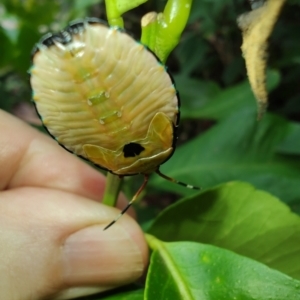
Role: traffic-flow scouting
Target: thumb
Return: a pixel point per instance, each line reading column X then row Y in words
column 53, row 245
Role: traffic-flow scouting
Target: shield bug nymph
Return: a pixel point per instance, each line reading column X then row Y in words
column 105, row 97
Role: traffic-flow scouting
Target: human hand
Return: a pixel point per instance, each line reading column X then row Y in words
column 51, row 222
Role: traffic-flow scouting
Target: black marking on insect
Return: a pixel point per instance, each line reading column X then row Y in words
column 132, row 149
column 106, row 98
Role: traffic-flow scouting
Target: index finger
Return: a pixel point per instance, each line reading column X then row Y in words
column 29, row 158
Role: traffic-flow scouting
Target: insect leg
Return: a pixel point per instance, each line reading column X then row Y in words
column 176, row 181
column 146, row 177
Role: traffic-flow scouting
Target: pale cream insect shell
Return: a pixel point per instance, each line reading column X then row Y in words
column 105, row 97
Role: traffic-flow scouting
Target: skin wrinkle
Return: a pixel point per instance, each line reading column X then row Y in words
column 4, row 180
column 33, row 158
column 10, row 158
column 91, row 183
column 45, row 161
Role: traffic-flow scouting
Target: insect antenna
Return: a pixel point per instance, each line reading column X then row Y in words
column 146, row 177
column 176, row 181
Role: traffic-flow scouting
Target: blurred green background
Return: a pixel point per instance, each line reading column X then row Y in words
column 218, row 109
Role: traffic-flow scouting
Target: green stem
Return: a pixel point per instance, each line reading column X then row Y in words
column 114, row 11
column 149, row 27
column 116, row 8
column 113, row 182
column 112, row 189
column 152, row 241
column 162, row 32
column 113, row 14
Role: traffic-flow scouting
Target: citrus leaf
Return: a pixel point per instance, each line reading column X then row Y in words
column 187, row 270
column 237, row 148
column 195, row 95
column 206, row 100
column 234, row 98
column 33, row 12
column 189, row 54
column 291, row 143
column 240, row 218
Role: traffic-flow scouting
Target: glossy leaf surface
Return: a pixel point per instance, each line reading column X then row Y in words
column 238, row 217
column 187, row 270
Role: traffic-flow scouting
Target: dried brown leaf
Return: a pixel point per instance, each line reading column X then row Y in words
column 257, row 27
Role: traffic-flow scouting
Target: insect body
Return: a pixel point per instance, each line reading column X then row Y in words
column 106, row 97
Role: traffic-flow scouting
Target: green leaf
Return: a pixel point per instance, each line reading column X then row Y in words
column 191, row 55
column 226, row 101
column 34, row 12
column 187, row 270
column 208, row 12
column 84, row 4
column 237, row 148
column 27, row 38
column 194, row 94
column 291, row 143
column 80, row 8
column 240, row 218
column 7, row 49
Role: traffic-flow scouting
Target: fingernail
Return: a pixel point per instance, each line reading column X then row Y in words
column 105, row 258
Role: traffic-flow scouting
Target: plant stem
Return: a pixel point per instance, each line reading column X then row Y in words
column 112, row 189
column 161, row 32
column 113, row 182
column 113, row 15
column 152, row 241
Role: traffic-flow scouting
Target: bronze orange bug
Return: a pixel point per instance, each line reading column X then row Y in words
column 105, row 97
